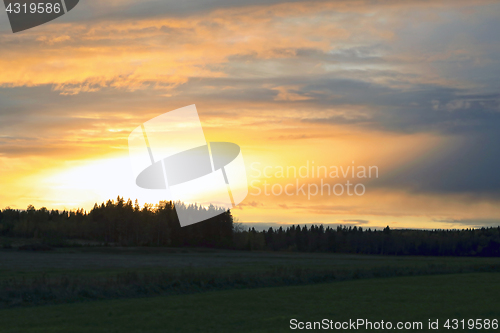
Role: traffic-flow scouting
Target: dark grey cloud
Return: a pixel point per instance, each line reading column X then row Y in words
column 368, row 54
column 472, row 165
column 423, row 108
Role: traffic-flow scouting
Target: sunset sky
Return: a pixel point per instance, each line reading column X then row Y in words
column 411, row 87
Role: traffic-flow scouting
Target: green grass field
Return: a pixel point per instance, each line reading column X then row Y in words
column 108, row 289
column 77, row 274
column 88, row 274
column 102, row 260
column 460, row 296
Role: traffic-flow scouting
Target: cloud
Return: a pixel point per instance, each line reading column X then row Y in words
column 468, row 165
column 253, row 204
column 356, row 222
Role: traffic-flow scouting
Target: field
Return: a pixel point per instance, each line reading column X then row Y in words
column 111, row 289
column 113, row 259
column 415, row 299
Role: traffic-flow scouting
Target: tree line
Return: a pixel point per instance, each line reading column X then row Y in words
column 356, row 240
column 125, row 223
column 120, row 222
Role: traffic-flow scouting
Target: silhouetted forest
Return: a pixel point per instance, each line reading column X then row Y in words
column 119, row 222
column 343, row 239
column 124, row 223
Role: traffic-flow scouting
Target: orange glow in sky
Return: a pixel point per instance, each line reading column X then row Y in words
column 290, row 83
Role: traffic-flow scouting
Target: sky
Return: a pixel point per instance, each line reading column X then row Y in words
column 410, row 89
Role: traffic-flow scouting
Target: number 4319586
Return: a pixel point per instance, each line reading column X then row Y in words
column 471, row 324
column 34, row 8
